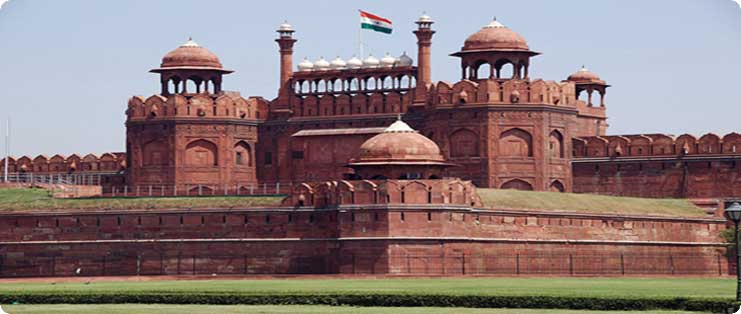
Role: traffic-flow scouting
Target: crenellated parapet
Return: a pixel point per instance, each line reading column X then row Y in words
column 59, row 164
column 496, row 91
column 369, row 192
column 228, row 105
column 643, row 145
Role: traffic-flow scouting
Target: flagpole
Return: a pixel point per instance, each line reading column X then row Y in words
column 360, row 41
column 7, row 149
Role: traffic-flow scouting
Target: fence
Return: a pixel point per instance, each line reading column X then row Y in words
column 400, row 264
column 154, row 190
column 60, row 178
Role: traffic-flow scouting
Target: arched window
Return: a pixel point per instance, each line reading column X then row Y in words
column 464, row 143
column 555, row 144
column 515, row 143
column 557, row 186
column 201, row 153
column 405, row 82
column 517, row 184
column 370, row 83
column 242, row 154
column 483, row 71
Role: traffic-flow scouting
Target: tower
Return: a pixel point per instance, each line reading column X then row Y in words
column 285, row 42
column 193, row 137
column 424, row 34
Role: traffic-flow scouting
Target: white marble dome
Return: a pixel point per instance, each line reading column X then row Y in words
column 285, row 27
column 305, row 65
column 354, row 63
column 388, row 61
column 338, row 64
column 321, row 64
column 371, row 62
column 405, row 60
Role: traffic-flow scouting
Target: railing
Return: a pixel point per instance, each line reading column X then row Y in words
column 161, row 190
column 400, row 264
column 58, row 178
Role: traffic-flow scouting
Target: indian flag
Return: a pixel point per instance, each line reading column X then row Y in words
column 374, row 22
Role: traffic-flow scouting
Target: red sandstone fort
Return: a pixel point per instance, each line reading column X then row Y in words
column 381, row 165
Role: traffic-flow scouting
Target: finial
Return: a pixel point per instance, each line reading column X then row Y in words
column 398, row 117
column 495, row 18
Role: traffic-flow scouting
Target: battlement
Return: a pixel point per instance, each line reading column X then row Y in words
column 90, row 163
column 643, row 145
column 226, row 105
column 367, row 192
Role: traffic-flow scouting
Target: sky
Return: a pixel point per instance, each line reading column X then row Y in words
column 67, row 68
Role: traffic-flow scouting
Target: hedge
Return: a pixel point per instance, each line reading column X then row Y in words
column 392, row 300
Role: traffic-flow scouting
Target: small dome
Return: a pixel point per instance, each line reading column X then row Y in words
column 285, row 27
column 585, row 76
column 400, row 144
column 338, row 63
column 424, row 19
column 388, row 61
column 305, row 65
column 190, row 54
column 371, row 62
column 321, row 64
column 354, row 63
column 495, row 36
column 405, row 61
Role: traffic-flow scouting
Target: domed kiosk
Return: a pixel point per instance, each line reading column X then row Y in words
column 495, row 45
column 190, row 62
column 399, row 152
column 589, row 82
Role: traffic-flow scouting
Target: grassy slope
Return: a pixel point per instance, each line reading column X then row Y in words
column 25, row 199
column 581, row 287
column 588, row 203
column 270, row 309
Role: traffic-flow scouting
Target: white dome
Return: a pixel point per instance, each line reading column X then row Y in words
column 388, row 61
column 425, row 18
column 371, row 62
column 354, row 63
column 495, row 24
column 305, row 65
column 190, row 43
column 338, row 63
column 285, row 27
column 321, row 64
column 405, row 61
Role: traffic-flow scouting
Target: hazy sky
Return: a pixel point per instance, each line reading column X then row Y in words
column 68, row 67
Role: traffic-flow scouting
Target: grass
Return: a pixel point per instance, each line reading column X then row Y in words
column 273, row 309
column 29, row 199
column 715, row 288
column 589, row 203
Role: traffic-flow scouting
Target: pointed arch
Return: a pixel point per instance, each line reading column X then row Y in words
column 464, row 143
column 516, row 142
column 517, row 184
column 242, row 154
column 202, row 153
column 557, row 186
column 555, row 144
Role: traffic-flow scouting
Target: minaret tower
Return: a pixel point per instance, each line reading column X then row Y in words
column 424, row 34
column 285, row 42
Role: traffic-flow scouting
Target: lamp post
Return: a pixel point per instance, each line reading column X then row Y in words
column 733, row 213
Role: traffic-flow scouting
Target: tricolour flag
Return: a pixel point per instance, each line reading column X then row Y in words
column 374, row 22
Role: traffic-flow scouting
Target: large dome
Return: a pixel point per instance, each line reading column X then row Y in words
column 191, row 55
column 399, row 144
column 495, row 36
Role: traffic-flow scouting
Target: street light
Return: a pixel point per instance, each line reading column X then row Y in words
column 733, row 213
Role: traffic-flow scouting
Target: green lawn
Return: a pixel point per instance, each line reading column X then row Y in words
column 588, row 203
column 270, row 309
column 27, row 199
column 579, row 287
